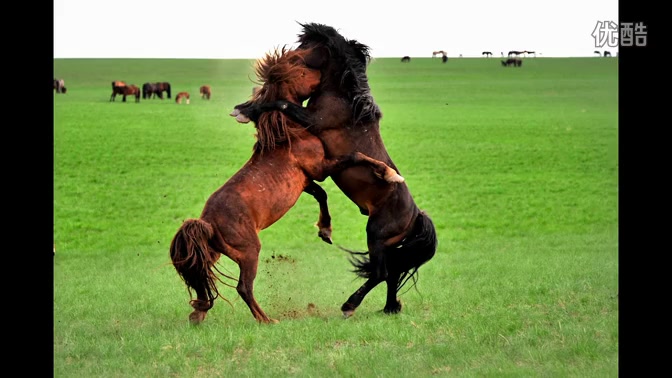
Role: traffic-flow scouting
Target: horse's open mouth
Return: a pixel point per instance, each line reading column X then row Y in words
column 241, row 118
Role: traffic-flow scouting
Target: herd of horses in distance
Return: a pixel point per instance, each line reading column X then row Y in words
column 149, row 90
column 336, row 135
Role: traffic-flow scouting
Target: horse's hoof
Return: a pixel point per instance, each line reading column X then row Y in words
column 197, row 317
column 393, row 309
column 325, row 235
column 235, row 113
column 242, row 118
column 348, row 310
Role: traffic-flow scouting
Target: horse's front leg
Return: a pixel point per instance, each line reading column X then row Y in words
column 379, row 168
column 324, row 222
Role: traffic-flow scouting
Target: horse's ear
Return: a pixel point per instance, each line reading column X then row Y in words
column 317, row 58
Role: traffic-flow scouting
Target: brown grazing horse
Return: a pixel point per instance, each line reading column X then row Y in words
column 205, row 92
column 182, row 96
column 285, row 161
column 121, row 88
column 343, row 114
column 59, row 86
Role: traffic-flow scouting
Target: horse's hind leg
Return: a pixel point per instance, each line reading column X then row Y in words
column 248, row 261
column 324, row 221
column 348, row 308
column 392, row 305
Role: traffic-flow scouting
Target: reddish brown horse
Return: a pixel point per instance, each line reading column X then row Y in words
column 182, row 96
column 285, row 161
column 343, row 114
column 121, row 88
column 205, row 92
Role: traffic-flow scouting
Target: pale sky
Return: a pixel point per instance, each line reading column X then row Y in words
column 224, row 29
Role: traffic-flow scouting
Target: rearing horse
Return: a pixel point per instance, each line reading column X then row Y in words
column 343, row 114
column 286, row 160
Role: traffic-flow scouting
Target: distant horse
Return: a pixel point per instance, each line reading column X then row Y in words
column 530, row 53
column 487, row 54
column 182, row 96
column 440, row 52
column 516, row 62
column 607, row 54
column 597, row 52
column 154, row 90
column 120, row 88
column 149, row 89
column 515, row 52
column 59, row 86
column 285, row 162
column 343, row 114
column 406, row 59
column 205, row 92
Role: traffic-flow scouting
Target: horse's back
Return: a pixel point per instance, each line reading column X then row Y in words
column 263, row 190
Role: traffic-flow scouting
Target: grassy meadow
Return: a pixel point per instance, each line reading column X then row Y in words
column 518, row 167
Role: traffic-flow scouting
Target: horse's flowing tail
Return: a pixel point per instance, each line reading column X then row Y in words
column 418, row 247
column 168, row 89
column 194, row 260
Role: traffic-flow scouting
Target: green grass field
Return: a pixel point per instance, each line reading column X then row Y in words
column 518, row 167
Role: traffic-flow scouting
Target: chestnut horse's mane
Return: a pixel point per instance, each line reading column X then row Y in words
column 348, row 60
column 275, row 73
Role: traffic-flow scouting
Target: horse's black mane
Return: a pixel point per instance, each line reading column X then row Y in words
column 348, row 59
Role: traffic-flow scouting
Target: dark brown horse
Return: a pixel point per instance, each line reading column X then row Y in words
column 121, row 88
column 285, row 161
column 154, row 90
column 205, row 92
column 516, row 62
column 343, row 114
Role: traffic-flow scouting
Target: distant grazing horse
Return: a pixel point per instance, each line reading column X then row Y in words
column 487, row 54
column 121, row 88
column 607, row 54
column 182, row 96
column 285, row 162
column 343, row 114
column 516, row 62
column 59, row 86
column 149, row 89
column 440, row 52
column 153, row 90
column 597, row 52
column 205, row 92
column 406, row 59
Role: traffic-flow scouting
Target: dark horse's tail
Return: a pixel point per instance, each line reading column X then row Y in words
column 194, row 260
column 406, row 257
column 167, row 87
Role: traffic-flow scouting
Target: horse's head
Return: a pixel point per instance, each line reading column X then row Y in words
column 289, row 75
column 344, row 67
